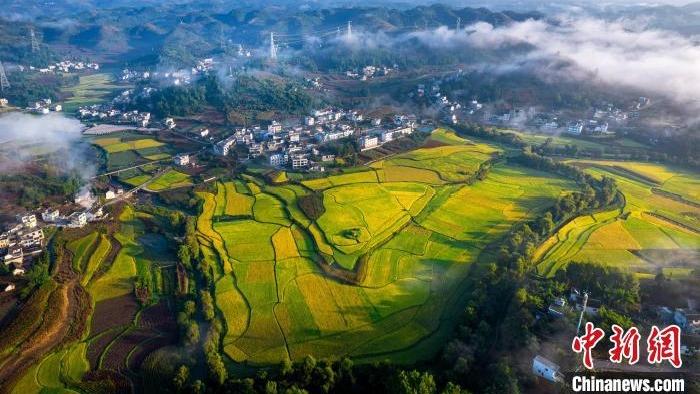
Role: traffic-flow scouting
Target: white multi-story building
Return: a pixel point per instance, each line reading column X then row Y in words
column 299, row 161
column 278, row 159
column 369, row 142
column 274, row 127
column 29, row 221
column 78, row 219
column 50, row 215
column 223, row 147
column 575, row 128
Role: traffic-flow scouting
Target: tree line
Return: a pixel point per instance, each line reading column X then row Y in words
column 241, row 99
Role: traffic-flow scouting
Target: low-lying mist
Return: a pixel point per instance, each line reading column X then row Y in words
column 24, row 138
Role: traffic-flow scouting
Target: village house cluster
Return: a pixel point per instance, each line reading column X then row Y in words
column 174, row 77
column 447, row 109
column 24, row 240
column 107, row 112
column 369, row 72
column 44, row 106
column 596, row 121
column 299, row 145
column 20, row 242
column 65, row 66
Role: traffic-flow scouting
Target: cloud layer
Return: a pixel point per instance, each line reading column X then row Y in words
column 612, row 52
column 621, row 53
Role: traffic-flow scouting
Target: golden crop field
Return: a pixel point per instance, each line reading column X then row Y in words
column 660, row 214
column 414, row 236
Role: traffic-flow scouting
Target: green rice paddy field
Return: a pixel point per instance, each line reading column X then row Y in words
column 91, row 89
column 658, row 228
column 127, row 149
column 411, row 227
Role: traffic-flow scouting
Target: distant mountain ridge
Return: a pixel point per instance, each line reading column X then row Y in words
column 146, row 31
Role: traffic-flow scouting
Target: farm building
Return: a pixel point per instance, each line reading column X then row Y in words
column 369, row 142
column 50, row 215
column 223, row 147
column 544, row 368
column 29, row 221
column 78, row 219
column 182, row 160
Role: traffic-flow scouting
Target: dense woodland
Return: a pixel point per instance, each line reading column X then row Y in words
column 241, row 100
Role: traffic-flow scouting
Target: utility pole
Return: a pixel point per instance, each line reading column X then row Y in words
column 4, row 83
column 583, row 310
column 35, row 42
column 273, row 48
column 459, row 23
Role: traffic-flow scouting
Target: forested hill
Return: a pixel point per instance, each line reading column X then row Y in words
column 144, row 34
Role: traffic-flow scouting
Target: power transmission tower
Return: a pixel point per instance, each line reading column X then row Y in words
column 222, row 40
column 459, row 23
column 35, row 42
column 273, row 48
column 583, row 310
column 349, row 31
column 4, row 83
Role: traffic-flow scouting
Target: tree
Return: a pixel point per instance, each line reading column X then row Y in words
column 546, row 224
column 189, row 307
column 415, row 382
column 271, row 387
column 192, row 333
column 198, row 387
column 181, row 377
column 502, row 379
column 185, row 256
column 451, row 388
column 207, row 305
column 217, row 369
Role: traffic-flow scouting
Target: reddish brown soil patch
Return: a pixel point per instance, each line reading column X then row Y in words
column 158, row 317
column 431, row 143
column 115, row 358
column 98, row 345
column 114, row 312
column 143, row 350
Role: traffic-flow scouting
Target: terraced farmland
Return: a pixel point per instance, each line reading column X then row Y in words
column 658, row 227
column 121, row 333
column 378, row 274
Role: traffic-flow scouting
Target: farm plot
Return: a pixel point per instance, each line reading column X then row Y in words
column 80, row 248
column 170, row 180
column 128, row 149
column 412, row 243
column 651, row 221
column 452, row 163
column 91, row 89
